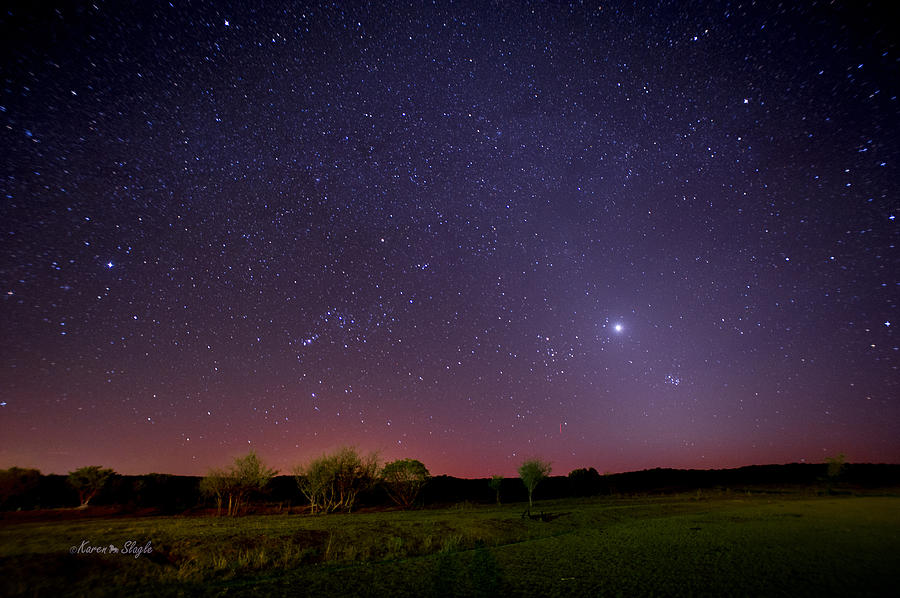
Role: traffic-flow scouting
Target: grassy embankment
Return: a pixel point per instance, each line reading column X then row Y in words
column 727, row 545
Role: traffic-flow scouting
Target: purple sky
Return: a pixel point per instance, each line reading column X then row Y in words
column 622, row 237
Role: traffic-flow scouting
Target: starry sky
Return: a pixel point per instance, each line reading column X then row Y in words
column 604, row 234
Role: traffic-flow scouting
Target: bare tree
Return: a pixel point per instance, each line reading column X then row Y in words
column 88, row 481
column 532, row 472
column 333, row 482
column 404, row 479
column 314, row 481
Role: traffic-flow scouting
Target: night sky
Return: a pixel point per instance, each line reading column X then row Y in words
column 609, row 235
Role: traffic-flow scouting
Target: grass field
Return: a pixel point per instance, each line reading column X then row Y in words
column 727, row 545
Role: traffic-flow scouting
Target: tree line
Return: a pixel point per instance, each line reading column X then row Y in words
column 330, row 483
column 333, row 482
column 341, row 480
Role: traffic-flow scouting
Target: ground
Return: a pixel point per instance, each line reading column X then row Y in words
column 727, row 544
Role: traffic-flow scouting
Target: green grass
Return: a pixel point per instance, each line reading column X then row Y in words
column 671, row 546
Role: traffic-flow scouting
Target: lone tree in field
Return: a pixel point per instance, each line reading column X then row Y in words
column 248, row 474
column 332, row 482
column 403, row 480
column 88, row 481
column 835, row 469
column 495, row 483
column 835, row 466
column 532, row 472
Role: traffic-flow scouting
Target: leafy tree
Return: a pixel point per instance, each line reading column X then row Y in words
column 404, row 479
column 17, row 487
column 215, row 485
column 495, row 483
column 532, row 472
column 248, row 474
column 333, row 482
column 835, row 466
column 88, row 481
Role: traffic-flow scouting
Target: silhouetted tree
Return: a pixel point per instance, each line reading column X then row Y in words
column 495, row 482
column 17, row 487
column 835, row 466
column 215, row 485
column 248, row 474
column 314, row 481
column 88, row 481
column 333, row 482
column 403, row 480
column 835, row 469
column 532, row 472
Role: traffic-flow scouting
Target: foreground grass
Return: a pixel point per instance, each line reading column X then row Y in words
column 670, row 546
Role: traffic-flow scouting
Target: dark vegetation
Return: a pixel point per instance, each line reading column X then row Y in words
column 403, row 480
column 27, row 489
column 715, row 544
column 232, row 488
column 799, row 529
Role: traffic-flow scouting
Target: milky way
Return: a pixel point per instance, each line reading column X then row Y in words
column 620, row 236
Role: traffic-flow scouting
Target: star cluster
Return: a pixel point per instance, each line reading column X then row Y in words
column 617, row 235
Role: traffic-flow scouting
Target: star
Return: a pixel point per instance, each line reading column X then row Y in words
column 483, row 230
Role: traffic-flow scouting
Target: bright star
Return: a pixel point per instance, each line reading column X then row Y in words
column 109, row 264
column 618, row 327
